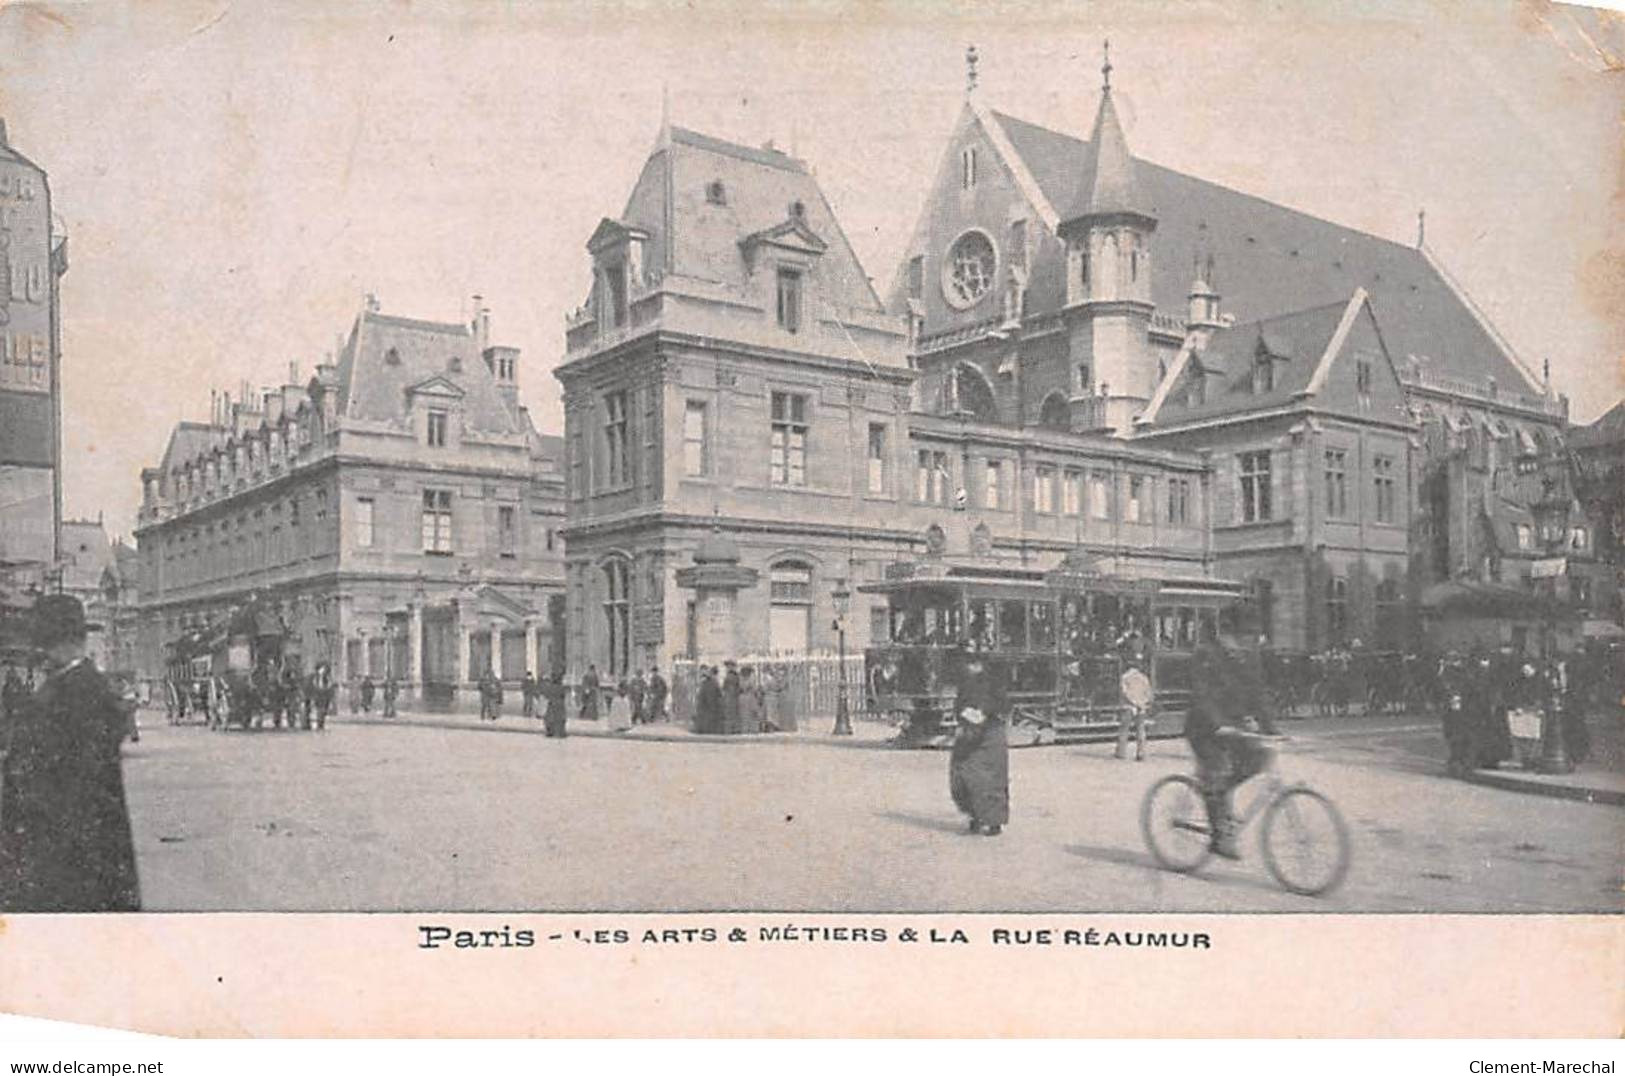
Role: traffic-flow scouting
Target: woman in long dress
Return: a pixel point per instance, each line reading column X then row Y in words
column 620, row 709
column 979, row 764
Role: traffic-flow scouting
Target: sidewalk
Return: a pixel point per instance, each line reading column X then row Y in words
column 1601, row 779
column 812, row 730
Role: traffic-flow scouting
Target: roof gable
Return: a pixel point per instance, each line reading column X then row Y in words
column 438, row 385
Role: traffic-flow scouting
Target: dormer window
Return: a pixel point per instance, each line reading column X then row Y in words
column 798, row 211
column 789, row 299
column 392, row 357
column 1263, row 375
column 1196, row 389
column 615, row 293
column 716, row 193
column 455, row 364
column 438, row 427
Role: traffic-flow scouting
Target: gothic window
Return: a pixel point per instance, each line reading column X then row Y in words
column 974, row 395
column 967, row 168
column 1382, row 468
column 1337, row 484
column 969, row 271
column 1255, row 487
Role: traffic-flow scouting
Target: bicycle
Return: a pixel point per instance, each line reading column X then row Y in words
column 1303, row 837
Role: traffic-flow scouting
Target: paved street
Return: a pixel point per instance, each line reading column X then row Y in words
column 376, row 817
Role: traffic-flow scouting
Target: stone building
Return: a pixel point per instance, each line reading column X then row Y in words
column 399, row 510
column 1309, row 364
column 33, row 258
column 734, row 369
column 1078, row 348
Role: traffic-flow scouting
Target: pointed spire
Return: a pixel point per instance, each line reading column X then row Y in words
column 1421, row 227
column 664, row 141
column 972, row 58
column 1106, row 66
column 1110, row 185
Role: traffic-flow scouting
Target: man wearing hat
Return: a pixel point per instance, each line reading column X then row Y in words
column 65, row 843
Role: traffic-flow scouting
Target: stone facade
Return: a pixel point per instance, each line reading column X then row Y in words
column 398, row 509
column 1078, row 348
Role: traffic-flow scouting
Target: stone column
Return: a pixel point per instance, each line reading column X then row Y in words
column 414, row 648
column 533, row 662
column 462, row 648
column 496, row 649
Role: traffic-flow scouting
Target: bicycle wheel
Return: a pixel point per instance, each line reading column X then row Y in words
column 1173, row 818
column 1305, row 841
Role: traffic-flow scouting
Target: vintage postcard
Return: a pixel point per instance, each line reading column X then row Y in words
column 719, row 519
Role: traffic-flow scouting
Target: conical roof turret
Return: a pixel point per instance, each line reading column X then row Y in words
column 1110, row 185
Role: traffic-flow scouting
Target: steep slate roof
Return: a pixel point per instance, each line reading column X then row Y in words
column 1272, row 259
column 1297, row 341
column 690, row 236
column 1609, row 429
column 374, row 388
column 187, row 441
column 86, row 553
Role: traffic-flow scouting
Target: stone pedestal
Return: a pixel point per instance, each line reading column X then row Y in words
column 716, row 579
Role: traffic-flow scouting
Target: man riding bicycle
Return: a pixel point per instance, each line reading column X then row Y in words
column 1222, row 729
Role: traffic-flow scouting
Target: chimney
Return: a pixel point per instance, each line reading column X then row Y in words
column 482, row 325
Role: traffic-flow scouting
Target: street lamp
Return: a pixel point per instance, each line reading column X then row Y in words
column 843, row 601
column 1553, row 519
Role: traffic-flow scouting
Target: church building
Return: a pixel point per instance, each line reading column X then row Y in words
column 1079, row 349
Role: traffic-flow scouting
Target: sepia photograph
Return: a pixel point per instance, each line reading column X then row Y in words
column 856, row 459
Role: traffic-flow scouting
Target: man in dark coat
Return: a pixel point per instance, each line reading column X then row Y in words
column 528, row 693
column 553, row 717
column 589, row 694
column 1226, row 704
column 708, row 702
column 979, row 764
column 730, row 698
column 368, row 690
column 65, row 842
column 636, row 690
column 392, row 692
column 656, row 710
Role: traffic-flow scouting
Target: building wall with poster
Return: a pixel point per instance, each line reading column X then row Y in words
column 33, row 257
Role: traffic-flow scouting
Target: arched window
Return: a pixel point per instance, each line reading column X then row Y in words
column 975, row 395
column 618, row 615
column 1055, row 414
column 790, row 618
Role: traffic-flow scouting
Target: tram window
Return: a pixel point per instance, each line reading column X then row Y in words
column 1209, row 624
column 941, row 625
column 1168, row 629
column 1043, row 626
column 908, row 626
column 1187, row 628
column 1013, row 625
column 982, row 621
column 1108, row 614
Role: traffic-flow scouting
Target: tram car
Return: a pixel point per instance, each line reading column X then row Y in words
column 1059, row 638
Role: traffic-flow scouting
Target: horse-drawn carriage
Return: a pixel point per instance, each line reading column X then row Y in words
column 242, row 674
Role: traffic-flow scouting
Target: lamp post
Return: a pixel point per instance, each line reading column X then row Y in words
column 843, row 601
column 1553, row 519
